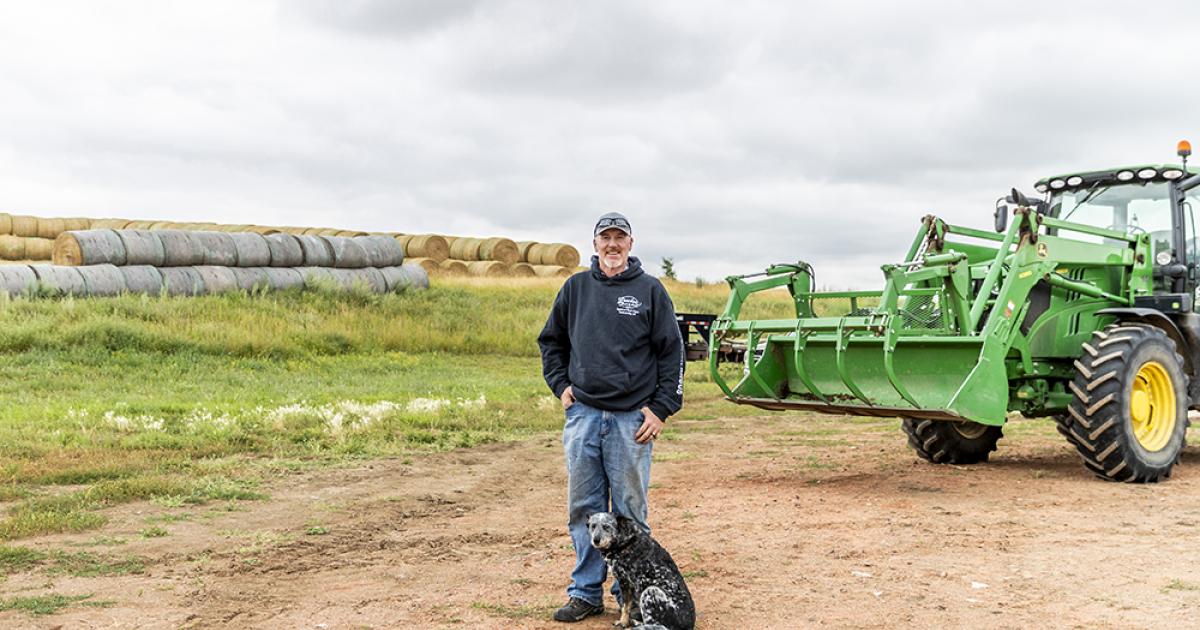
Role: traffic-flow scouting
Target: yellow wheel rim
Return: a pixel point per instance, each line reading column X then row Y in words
column 1152, row 406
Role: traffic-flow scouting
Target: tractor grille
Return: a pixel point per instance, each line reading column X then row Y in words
column 920, row 312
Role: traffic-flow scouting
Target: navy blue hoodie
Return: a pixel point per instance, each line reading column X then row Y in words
column 615, row 341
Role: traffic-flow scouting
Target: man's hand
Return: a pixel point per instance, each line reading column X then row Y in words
column 650, row 428
column 568, row 397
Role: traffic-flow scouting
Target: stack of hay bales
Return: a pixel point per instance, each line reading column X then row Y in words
column 25, row 237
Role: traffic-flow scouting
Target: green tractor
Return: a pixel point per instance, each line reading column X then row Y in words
column 1081, row 308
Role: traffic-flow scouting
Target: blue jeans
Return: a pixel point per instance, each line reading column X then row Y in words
column 603, row 463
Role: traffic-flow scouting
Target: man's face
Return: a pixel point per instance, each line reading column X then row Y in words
column 613, row 245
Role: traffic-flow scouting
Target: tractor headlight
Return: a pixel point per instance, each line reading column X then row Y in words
column 1074, row 181
column 1163, row 258
column 1172, row 174
column 1042, row 188
column 1125, row 176
column 1057, row 184
column 1147, row 173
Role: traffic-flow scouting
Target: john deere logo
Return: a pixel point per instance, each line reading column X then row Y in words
column 628, row 305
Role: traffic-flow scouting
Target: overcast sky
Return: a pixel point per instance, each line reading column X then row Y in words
column 732, row 134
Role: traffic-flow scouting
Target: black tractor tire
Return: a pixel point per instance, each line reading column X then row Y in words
column 1128, row 412
column 947, row 442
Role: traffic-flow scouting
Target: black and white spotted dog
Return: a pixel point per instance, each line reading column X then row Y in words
column 650, row 582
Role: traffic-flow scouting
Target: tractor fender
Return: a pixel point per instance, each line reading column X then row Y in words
column 1187, row 344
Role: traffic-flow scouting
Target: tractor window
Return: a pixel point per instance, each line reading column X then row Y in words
column 1129, row 208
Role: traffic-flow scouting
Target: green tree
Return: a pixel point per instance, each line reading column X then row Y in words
column 668, row 268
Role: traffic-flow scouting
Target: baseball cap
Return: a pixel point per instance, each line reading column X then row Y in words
column 612, row 220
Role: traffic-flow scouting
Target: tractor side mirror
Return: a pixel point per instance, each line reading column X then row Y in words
column 1001, row 215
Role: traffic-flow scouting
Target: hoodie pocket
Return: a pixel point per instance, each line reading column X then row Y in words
column 602, row 383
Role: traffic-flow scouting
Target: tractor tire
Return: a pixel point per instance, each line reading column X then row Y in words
column 1128, row 411
column 945, row 442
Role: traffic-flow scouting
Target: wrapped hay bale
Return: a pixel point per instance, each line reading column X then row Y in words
column 102, row 280
column 23, row 225
column 252, row 249
column 143, row 279
column 60, row 280
column 417, row 278
column 285, row 250
column 17, row 279
column 218, row 247
column 501, row 249
column 39, row 248
column 142, row 247
column 381, row 250
column 179, row 250
column 523, row 270
column 217, row 279
column 552, row 271
column 12, row 247
column 317, row 277
column 487, row 269
column 284, row 278
column 251, row 278
column 374, row 279
column 316, row 251
column 88, row 247
column 451, row 267
column 182, row 281
column 347, row 253
column 424, row 246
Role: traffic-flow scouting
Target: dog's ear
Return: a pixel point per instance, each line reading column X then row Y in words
column 627, row 529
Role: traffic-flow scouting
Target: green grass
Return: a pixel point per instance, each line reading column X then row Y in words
column 42, row 604
column 180, row 401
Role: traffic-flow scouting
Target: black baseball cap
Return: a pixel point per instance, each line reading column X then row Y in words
column 612, row 220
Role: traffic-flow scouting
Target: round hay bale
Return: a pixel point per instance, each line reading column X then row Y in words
column 77, row 223
column 179, row 250
column 142, row 279
column 39, row 248
column 328, row 232
column 87, row 247
column 559, row 254
column 218, row 247
column 382, row 251
column 102, row 280
column 16, row 279
column 262, row 229
column 285, row 250
column 161, row 225
column 351, row 233
column 451, row 267
column 312, row 231
column 317, row 277
column 317, row 252
column 143, row 247
column 374, row 279
column 523, row 270
column 552, row 271
column 5, row 223
column 533, row 253
column 109, row 224
column 395, row 279
column 139, row 225
column 12, row 247
column 179, row 281
column 60, row 280
column 487, row 269
column 499, row 248
column 523, row 249
column 240, row 227
column 347, row 253
column 465, row 249
column 428, row 264
column 284, row 278
column 293, row 230
column 217, row 279
column 23, row 225
column 50, row 228
column 252, row 249
column 252, row 278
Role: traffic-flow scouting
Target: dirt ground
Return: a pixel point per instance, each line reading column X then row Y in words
column 782, row 521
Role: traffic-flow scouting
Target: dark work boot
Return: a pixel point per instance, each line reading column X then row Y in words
column 576, row 610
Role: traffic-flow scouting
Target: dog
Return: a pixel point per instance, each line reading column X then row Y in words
column 653, row 593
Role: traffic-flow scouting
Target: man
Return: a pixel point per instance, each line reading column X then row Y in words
column 611, row 351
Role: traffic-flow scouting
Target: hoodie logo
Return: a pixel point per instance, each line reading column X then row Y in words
column 628, row 305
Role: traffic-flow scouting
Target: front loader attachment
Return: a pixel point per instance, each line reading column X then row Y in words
column 934, row 343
